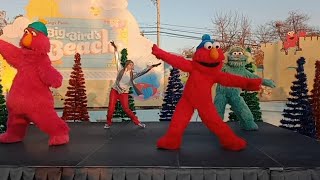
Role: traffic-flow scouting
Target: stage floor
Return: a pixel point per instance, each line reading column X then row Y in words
column 125, row 145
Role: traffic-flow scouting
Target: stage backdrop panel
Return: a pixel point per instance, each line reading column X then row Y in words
column 87, row 27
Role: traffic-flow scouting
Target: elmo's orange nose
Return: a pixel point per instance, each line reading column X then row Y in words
column 27, row 39
column 214, row 54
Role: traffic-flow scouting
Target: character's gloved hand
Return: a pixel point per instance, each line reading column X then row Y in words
column 269, row 83
column 56, row 83
column 159, row 53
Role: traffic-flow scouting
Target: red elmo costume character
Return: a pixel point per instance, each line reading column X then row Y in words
column 30, row 99
column 292, row 39
column 204, row 70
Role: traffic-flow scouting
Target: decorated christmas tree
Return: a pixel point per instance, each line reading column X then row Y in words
column 251, row 99
column 315, row 99
column 119, row 112
column 3, row 111
column 298, row 112
column 172, row 95
column 75, row 105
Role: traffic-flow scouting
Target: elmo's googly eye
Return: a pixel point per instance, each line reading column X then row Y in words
column 216, row 45
column 208, row 45
column 33, row 33
column 290, row 33
column 26, row 31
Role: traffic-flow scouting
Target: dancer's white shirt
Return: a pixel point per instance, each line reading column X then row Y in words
column 125, row 82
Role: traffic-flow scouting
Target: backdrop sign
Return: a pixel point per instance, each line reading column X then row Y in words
column 90, row 38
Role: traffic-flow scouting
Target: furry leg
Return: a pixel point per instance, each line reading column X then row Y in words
column 212, row 120
column 16, row 129
column 220, row 101
column 242, row 110
column 180, row 120
column 49, row 122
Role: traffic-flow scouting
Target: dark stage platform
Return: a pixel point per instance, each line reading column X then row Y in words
column 270, row 151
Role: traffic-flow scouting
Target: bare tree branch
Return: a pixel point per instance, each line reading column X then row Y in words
column 188, row 52
column 232, row 28
column 295, row 22
column 265, row 34
column 154, row 2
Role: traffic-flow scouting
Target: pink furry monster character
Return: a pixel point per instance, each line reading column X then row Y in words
column 30, row 99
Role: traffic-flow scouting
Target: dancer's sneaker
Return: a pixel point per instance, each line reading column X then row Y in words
column 106, row 126
column 141, row 125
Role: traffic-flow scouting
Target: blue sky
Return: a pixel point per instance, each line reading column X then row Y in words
column 198, row 14
column 195, row 14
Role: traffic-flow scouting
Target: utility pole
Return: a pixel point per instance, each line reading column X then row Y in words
column 158, row 22
column 157, row 3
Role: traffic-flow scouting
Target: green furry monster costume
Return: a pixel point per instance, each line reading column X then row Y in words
column 237, row 59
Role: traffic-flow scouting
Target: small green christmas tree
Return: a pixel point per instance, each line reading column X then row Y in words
column 119, row 112
column 3, row 112
column 251, row 99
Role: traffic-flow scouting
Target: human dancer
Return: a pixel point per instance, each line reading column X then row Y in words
column 120, row 89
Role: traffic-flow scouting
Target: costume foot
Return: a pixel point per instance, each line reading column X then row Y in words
column 249, row 126
column 58, row 140
column 107, row 126
column 234, row 144
column 170, row 143
column 9, row 138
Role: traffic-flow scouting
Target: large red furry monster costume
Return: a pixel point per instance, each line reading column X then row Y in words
column 205, row 70
column 30, row 99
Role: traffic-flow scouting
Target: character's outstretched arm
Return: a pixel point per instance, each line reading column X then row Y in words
column 146, row 70
column 231, row 80
column 302, row 34
column 265, row 82
column 49, row 75
column 174, row 60
column 12, row 54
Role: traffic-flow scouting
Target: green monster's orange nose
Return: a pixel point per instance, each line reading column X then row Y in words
column 26, row 41
column 214, row 54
